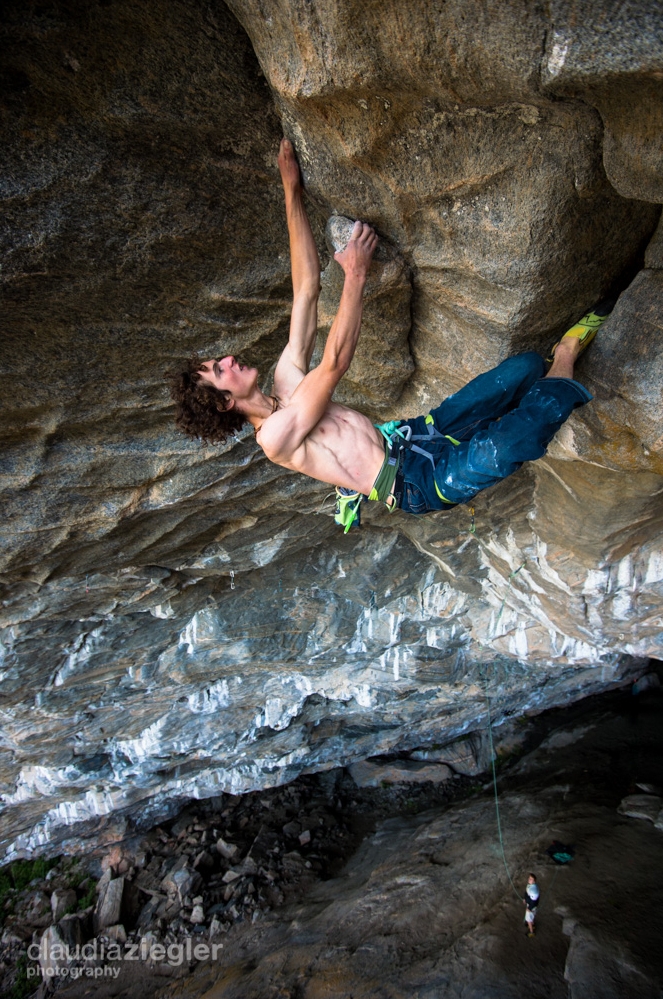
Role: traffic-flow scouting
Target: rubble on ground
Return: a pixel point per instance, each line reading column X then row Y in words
column 223, row 861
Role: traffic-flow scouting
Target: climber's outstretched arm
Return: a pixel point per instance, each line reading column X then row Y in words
column 305, row 268
column 287, row 430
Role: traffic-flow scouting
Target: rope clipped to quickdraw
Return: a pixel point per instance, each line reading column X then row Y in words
column 503, row 604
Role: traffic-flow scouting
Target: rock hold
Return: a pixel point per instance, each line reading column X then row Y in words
column 382, row 361
column 337, row 236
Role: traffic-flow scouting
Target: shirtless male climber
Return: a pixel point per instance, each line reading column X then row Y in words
column 475, row 438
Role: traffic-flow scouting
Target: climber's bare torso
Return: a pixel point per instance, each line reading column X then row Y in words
column 343, row 449
column 307, row 432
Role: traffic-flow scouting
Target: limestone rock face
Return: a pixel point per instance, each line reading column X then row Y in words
column 139, row 154
column 610, row 55
column 435, row 126
column 180, row 619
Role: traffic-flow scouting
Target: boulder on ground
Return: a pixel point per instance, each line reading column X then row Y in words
column 52, row 952
column 227, row 850
column 368, row 774
column 109, row 904
column 62, row 900
column 71, row 930
column 641, row 806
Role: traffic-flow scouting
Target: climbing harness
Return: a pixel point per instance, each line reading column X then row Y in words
column 394, row 435
column 389, row 485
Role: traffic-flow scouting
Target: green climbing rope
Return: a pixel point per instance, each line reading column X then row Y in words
column 497, row 804
column 497, row 809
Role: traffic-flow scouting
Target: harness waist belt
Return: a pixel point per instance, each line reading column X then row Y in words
column 384, row 483
column 389, row 482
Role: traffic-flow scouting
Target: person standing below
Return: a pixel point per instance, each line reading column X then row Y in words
column 530, row 902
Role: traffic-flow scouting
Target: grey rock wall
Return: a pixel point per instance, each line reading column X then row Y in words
column 610, row 55
column 179, row 620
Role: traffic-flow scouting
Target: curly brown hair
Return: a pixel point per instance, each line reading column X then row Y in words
column 202, row 409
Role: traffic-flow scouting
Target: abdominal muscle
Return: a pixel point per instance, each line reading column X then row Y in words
column 343, row 449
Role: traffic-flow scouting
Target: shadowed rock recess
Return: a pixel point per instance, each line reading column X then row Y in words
column 180, row 621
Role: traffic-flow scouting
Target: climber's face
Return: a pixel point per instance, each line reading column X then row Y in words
column 228, row 375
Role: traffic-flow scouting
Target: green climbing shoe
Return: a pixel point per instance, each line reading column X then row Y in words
column 586, row 328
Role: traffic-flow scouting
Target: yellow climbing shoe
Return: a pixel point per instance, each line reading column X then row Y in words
column 586, row 328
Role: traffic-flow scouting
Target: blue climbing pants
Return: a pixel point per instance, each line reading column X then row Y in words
column 500, row 419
